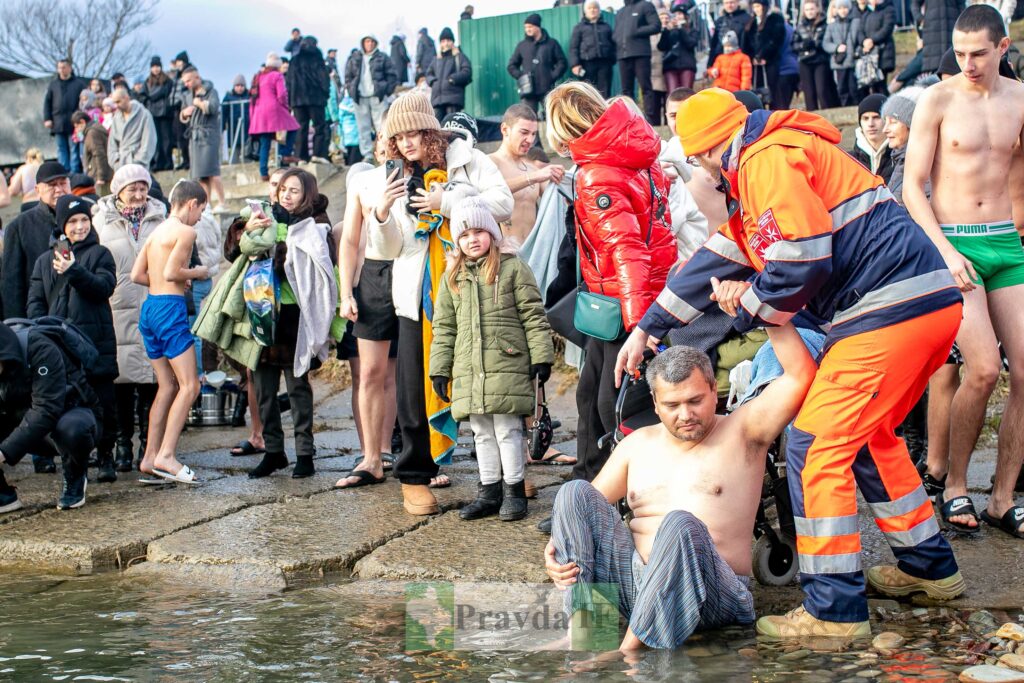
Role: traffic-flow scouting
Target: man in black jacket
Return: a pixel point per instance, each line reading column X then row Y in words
column 539, row 56
column 59, row 103
column 45, row 406
column 400, row 57
column 30, row 234
column 448, row 75
column 370, row 79
column 592, row 50
column 425, row 51
column 635, row 23
column 733, row 18
column 308, row 89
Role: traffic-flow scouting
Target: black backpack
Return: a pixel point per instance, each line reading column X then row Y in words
column 68, row 337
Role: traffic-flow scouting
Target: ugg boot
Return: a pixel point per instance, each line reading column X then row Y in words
column 513, row 506
column 303, row 467
column 419, row 500
column 487, row 503
column 531, row 490
column 270, row 463
column 105, row 473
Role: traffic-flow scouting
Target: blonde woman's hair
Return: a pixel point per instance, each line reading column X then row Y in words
column 489, row 270
column 572, row 109
column 33, row 156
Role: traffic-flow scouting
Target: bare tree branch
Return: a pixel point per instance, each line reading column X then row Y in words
column 99, row 36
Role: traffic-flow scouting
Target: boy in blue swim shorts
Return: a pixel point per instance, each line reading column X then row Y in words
column 162, row 265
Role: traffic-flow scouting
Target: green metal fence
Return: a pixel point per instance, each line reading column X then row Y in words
column 489, row 43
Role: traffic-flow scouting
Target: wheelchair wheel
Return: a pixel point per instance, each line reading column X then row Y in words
column 775, row 561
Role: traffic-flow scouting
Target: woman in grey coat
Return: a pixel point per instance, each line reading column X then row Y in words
column 201, row 112
column 841, row 42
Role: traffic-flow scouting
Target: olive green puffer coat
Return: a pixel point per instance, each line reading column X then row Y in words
column 487, row 336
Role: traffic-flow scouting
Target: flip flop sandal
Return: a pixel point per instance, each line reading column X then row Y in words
column 1009, row 522
column 961, row 505
column 386, row 458
column 363, row 478
column 442, row 484
column 150, row 480
column 245, row 448
column 184, row 475
column 554, row 457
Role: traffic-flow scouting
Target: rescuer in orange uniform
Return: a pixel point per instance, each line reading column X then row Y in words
column 811, row 227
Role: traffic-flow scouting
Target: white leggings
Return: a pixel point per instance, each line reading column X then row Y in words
column 499, row 447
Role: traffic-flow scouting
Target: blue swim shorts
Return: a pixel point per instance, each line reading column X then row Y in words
column 164, row 326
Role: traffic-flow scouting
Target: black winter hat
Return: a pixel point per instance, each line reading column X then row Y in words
column 533, row 19
column 446, row 34
column 462, row 121
column 948, row 65
column 749, row 99
column 871, row 103
column 69, row 205
column 183, row 56
column 155, row 61
column 50, row 171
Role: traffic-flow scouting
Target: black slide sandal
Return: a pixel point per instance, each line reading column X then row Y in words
column 245, row 448
column 961, row 505
column 1009, row 522
column 363, row 478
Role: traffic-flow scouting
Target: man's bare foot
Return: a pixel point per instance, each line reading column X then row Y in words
column 370, row 463
column 967, row 520
column 441, row 481
column 167, row 463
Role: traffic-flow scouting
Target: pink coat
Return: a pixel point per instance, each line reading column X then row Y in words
column 268, row 113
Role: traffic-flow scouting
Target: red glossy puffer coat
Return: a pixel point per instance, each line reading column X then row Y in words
column 614, row 207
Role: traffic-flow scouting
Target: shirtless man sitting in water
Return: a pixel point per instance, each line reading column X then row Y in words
column 162, row 265
column 966, row 132
column 693, row 483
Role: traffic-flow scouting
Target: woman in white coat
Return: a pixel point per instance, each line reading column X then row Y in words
column 398, row 228
column 124, row 220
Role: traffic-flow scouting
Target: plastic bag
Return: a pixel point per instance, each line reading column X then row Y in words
column 259, row 292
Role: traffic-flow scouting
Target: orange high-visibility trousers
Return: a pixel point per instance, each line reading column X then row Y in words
column 845, row 432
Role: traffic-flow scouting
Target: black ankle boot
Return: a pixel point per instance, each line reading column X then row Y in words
column 105, row 473
column 513, row 506
column 123, row 459
column 241, row 406
column 303, row 467
column 270, row 463
column 43, row 465
column 487, row 503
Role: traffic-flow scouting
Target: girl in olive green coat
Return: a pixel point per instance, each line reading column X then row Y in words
column 491, row 340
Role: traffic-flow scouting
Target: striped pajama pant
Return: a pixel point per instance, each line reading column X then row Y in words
column 685, row 585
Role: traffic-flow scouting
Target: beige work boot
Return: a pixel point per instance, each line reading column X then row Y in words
column 894, row 582
column 799, row 622
column 419, row 500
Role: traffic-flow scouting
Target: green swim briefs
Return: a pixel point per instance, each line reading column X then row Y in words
column 994, row 249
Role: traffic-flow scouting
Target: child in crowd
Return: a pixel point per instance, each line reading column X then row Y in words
column 491, row 340
column 732, row 69
column 162, row 265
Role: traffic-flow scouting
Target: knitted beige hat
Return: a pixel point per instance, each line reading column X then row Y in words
column 128, row 174
column 410, row 112
column 473, row 213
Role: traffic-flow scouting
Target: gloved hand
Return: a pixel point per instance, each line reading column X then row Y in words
column 540, row 371
column 441, row 387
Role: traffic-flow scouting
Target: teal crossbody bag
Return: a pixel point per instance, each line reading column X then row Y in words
column 598, row 315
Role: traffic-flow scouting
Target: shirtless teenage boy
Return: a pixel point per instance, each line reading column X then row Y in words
column 527, row 179
column 162, row 265
column 966, row 131
column 693, row 483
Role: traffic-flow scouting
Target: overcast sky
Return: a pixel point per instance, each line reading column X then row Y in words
column 227, row 37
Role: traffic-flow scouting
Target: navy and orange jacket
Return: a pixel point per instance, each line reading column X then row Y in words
column 626, row 247
column 814, row 228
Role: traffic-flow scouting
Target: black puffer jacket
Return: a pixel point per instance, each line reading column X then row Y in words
column 736, row 22
column 937, row 32
column 382, row 72
column 425, row 51
column 878, row 25
column 30, row 234
column 677, row 47
column 34, row 395
column 158, row 97
column 400, row 58
column 543, row 59
column 61, row 101
column 307, row 78
column 81, row 295
column 808, row 37
column 635, row 23
column 591, row 41
column 448, row 75
column 765, row 41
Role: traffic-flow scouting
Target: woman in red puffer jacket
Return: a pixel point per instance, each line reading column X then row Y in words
column 624, row 237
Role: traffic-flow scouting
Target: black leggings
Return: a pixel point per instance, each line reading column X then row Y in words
column 637, row 70
column 819, row 86
column 595, row 402
column 104, row 388
column 316, row 116
column 133, row 403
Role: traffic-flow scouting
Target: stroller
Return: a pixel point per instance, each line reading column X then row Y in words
column 774, row 553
